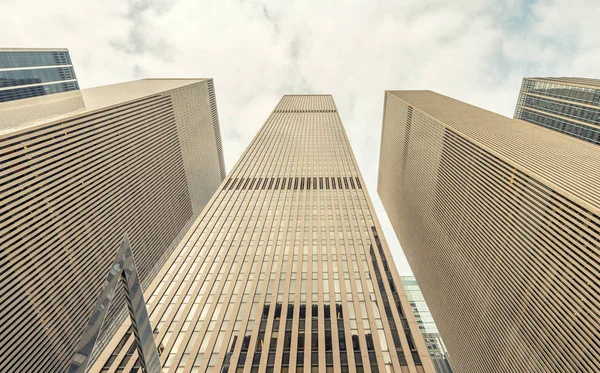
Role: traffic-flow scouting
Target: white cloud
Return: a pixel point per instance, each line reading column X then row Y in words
column 476, row 51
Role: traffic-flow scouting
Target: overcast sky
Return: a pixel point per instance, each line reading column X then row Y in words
column 473, row 50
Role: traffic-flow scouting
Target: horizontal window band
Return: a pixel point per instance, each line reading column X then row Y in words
column 301, row 183
column 305, row 111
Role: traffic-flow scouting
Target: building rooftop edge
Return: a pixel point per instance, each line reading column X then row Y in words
column 195, row 79
column 19, row 116
column 536, row 150
column 308, row 94
column 33, row 49
column 569, row 80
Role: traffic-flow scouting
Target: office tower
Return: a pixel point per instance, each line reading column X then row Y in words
column 28, row 73
column 80, row 169
column 499, row 220
column 431, row 335
column 567, row 105
column 286, row 270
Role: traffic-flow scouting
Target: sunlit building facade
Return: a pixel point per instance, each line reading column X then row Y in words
column 566, row 105
column 499, row 220
column 35, row 72
column 286, row 270
column 79, row 170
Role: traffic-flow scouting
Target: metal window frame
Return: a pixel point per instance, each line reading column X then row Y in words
column 123, row 269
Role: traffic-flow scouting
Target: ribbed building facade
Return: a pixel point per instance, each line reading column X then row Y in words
column 500, row 222
column 286, row 270
column 78, row 170
column 567, row 105
column 28, row 73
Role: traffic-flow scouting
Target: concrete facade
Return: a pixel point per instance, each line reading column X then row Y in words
column 80, row 169
column 499, row 220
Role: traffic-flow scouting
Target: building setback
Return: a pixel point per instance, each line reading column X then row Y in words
column 286, row 269
column 431, row 335
column 499, row 220
column 79, row 169
column 28, row 73
column 567, row 105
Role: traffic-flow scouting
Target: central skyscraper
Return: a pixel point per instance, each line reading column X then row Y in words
column 286, row 268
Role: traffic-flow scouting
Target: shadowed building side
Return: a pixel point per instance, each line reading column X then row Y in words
column 499, row 220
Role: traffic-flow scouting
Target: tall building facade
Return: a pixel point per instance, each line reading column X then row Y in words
column 80, row 169
column 567, row 105
column 28, row 73
column 499, row 220
column 286, row 270
column 431, row 335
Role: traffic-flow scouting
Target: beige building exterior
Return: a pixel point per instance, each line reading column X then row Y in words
column 500, row 222
column 286, row 269
column 78, row 170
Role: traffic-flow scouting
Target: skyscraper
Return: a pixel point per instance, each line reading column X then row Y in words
column 80, row 169
column 28, row 73
column 567, row 105
column 431, row 335
column 499, row 220
column 286, row 269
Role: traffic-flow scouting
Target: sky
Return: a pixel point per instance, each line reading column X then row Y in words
column 476, row 51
